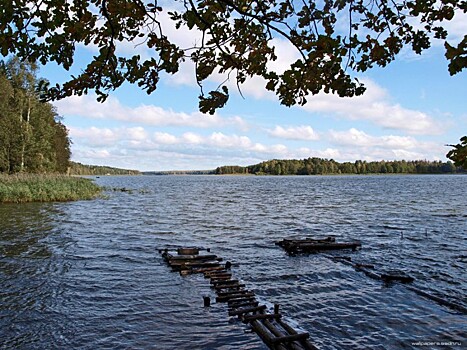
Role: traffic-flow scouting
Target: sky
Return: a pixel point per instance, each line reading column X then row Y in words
column 411, row 110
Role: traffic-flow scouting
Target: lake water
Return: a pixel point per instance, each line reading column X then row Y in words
column 88, row 275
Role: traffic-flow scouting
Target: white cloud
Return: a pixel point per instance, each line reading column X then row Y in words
column 107, row 137
column 367, row 147
column 86, row 106
column 165, row 138
column 375, row 106
column 137, row 149
column 358, row 138
column 303, row 132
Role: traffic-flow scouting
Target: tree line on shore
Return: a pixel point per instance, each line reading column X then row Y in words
column 33, row 138
column 83, row 169
column 319, row 166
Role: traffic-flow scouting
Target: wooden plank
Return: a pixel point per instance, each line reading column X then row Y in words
column 234, row 306
column 202, row 264
column 221, row 278
column 326, row 246
column 247, row 310
column 305, row 343
column 223, row 281
column 264, row 334
column 193, row 257
column 221, row 274
column 241, row 300
column 228, row 286
column 183, row 251
column 235, row 292
column 200, row 270
column 289, row 338
column 248, row 318
column 225, row 298
column 285, row 242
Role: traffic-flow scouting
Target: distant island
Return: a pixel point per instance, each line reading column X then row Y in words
column 319, row 166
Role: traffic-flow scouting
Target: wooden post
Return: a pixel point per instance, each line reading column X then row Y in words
column 207, row 301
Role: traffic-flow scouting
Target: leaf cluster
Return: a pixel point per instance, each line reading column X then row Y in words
column 459, row 153
column 332, row 39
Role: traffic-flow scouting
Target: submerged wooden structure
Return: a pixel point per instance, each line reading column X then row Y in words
column 311, row 245
column 242, row 302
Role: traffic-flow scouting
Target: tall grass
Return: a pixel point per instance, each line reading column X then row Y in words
column 22, row 188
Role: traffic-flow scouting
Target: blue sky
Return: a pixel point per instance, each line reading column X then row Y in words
column 411, row 109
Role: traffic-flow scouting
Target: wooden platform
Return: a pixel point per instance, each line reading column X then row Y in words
column 309, row 245
column 242, row 302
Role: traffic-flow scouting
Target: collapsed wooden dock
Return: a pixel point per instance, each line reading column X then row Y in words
column 242, row 302
column 311, row 245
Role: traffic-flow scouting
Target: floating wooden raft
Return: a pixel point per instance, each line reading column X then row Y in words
column 309, row 245
column 242, row 302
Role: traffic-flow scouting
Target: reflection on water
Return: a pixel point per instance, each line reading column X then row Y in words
column 87, row 274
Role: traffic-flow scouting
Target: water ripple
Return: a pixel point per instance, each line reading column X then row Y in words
column 88, row 275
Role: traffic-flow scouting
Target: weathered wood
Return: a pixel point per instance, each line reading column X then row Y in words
column 193, row 257
column 201, row 264
column 228, row 286
column 247, row 310
column 274, row 328
column 307, row 247
column 234, row 292
column 262, row 331
column 220, row 278
column 248, row 318
column 199, row 270
column 311, row 245
column 305, row 343
column 290, row 338
column 241, row 300
column 223, row 281
column 225, row 298
column 234, row 306
column 398, row 278
column 185, row 251
column 286, row 242
column 221, row 274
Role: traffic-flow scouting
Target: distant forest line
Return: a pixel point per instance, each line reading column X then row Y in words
column 83, row 169
column 319, row 166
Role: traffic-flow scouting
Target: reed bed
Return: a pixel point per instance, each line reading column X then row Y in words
column 21, row 188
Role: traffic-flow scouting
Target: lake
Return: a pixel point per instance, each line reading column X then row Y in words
column 88, row 274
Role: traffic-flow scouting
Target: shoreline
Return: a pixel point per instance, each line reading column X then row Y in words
column 25, row 188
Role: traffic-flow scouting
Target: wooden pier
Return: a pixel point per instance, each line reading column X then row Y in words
column 242, row 302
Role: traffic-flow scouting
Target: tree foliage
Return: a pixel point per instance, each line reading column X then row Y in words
column 319, row 166
column 333, row 39
column 459, row 153
column 32, row 136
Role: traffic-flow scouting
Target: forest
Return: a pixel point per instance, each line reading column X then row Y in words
column 83, row 169
column 33, row 138
column 319, row 166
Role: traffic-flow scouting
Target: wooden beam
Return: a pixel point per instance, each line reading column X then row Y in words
column 225, row 298
column 234, row 306
column 247, row 310
column 290, row 338
column 228, row 286
column 248, row 318
column 223, row 281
